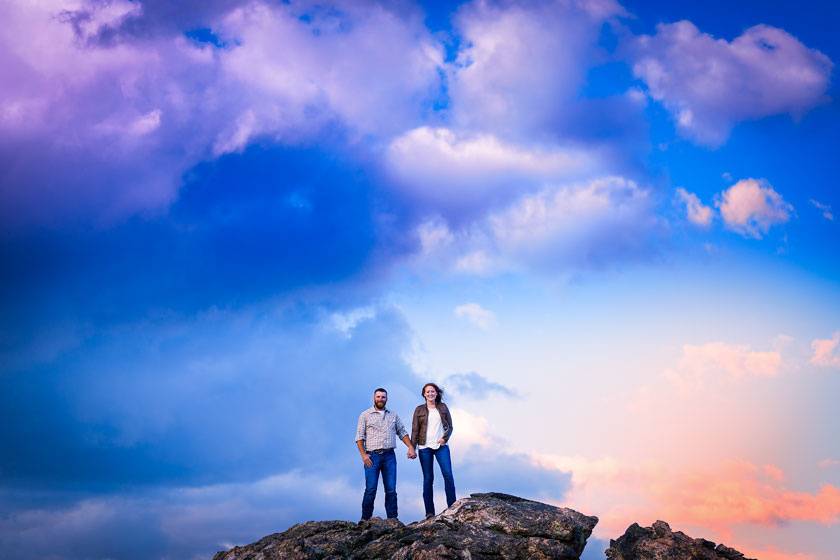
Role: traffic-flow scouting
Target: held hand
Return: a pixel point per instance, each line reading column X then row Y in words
column 366, row 460
column 411, row 454
column 442, row 441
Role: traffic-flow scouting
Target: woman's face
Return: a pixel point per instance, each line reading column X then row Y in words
column 430, row 393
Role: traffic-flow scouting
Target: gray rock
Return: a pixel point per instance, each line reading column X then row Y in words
column 660, row 543
column 483, row 526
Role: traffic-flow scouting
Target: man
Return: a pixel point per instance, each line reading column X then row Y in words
column 376, row 439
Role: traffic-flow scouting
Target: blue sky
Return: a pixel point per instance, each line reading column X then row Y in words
column 609, row 230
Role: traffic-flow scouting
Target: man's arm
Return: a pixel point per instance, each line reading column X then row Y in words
column 360, row 443
column 400, row 429
column 361, row 430
column 412, row 454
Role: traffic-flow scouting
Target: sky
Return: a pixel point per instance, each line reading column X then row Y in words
column 610, row 232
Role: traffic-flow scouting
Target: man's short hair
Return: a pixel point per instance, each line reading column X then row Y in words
column 380, row 390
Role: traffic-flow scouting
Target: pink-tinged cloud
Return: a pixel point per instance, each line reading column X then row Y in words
column 696, row 212
column 773, row 553
column 715, row 361
column 709, row 500
column 744, row 493
column 751, row 207
column 710, row 84
column 826, row 352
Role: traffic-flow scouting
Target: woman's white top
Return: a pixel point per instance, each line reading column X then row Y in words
column 434, row 430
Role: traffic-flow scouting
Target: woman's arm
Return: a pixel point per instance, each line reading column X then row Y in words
column 447, row 423
column 415, row 426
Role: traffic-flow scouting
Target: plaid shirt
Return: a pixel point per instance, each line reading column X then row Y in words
column 378, row 429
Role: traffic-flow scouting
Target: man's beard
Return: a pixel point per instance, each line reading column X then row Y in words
column 379, row 405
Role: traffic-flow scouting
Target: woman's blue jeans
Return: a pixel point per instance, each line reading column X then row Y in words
column 427, row 463
column 387, row 463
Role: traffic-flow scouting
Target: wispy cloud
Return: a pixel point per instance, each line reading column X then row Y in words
column 826, row 351
column 825, row 209
column 697, row 213
column 475, row 314
column 475, row 386
column 704, row 363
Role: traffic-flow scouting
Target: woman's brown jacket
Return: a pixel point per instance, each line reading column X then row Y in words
column 421, row 420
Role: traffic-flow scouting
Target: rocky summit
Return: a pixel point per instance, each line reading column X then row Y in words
column 661, row 543
column 493, row 525
column 497, row 526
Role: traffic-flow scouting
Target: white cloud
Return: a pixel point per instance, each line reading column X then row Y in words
column 826, row 351
column 345, row 322
column 574, row 224
column 160, row 104
column 824, row 208
column 473, row 429
column 477, row 315
column 697, row 213
column 457, row 173
column 295, row 75
column 521, row 63
column 710, row 84
column 568, row 226
column 751, row 207
column 477, row 262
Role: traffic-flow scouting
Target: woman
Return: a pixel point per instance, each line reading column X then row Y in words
column 431, row 428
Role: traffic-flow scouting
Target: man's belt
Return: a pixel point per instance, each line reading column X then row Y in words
column 381, row 451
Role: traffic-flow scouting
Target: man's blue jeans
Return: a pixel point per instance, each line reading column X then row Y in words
column 387, row 463
column 427, row 463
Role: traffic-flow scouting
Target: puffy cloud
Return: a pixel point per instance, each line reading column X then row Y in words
column 697, row 213
column 826, row 351
column 569, row 226
column 520, row 64
column 475, row 314
column 715, row 360
column 710, row 84
column 825, row 209
column 295, row 64
column 116, row 122
column 581, row 224
column 456, row 174
column 751, row 207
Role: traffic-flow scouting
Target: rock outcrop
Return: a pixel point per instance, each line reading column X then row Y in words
column 483, row 526
column 661, row 543
column 497, row 526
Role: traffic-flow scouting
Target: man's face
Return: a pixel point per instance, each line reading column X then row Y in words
column 379, row 399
